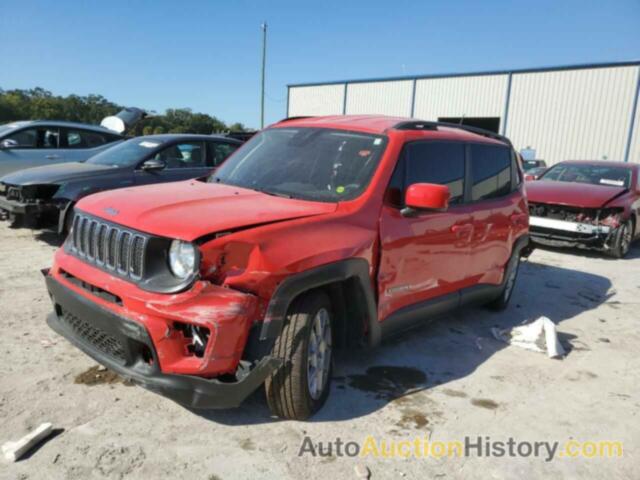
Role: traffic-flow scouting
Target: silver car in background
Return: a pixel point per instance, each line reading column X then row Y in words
column 35, row 143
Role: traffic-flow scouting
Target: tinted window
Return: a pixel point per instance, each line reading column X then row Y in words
column 491, row 171
column 84, row 139
column 183, row 155
column 220, row 151
column 437, row 162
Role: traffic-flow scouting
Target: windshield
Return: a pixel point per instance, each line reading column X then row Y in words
column 307, row 163
column 592, row 174
column 127, row 153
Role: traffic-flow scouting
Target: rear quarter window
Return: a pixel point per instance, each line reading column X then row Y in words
column 490, row 171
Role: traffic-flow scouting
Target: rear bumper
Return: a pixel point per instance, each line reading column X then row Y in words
column 126, row 347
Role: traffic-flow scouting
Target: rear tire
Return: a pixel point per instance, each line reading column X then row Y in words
column 301, row 386
column 622, row 239
column 511, row 276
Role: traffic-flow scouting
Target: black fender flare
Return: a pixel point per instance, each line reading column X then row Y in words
column 294, row 285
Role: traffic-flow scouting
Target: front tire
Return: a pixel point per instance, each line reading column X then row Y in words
column 622, row 240
column 301, row 386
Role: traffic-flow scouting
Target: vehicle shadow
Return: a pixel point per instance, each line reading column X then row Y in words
column 449, row 348
column 50, row 237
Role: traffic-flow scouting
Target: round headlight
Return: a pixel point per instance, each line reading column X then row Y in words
column 182, row 259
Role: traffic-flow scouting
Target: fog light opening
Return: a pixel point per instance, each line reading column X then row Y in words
column 147, row 356
column 196, row 337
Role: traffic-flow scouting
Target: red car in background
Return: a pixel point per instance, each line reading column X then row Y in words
column 593, row 204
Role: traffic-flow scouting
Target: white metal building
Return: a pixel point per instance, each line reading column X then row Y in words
column 587, row 112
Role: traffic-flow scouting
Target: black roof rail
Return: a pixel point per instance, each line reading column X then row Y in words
column 428, row 125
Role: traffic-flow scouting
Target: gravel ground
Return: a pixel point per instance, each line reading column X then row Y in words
column 445, row 381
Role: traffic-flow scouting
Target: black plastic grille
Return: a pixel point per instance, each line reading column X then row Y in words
column 109, row 246
column 94, row 335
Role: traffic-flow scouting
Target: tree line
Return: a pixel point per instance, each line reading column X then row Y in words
column 41, row 104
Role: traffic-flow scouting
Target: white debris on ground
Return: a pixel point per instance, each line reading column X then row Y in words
column 12, row 451
column 539, row 336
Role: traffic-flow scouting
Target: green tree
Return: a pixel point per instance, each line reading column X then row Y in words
column 38, row 103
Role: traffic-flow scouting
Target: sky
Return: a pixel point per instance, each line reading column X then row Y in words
column 206, row 55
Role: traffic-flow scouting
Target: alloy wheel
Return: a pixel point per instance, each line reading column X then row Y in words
column 319, row 355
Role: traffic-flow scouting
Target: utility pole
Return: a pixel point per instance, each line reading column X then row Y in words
column 264, row 61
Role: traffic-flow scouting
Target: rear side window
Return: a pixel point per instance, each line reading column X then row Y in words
column 84, row 139
column 441, row 163
column 491, row 172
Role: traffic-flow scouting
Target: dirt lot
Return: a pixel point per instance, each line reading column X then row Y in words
column 455, row 380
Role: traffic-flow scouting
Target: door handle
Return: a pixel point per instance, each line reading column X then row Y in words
column 52, row 157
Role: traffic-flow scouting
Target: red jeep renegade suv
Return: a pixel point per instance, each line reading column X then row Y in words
column 316, row 234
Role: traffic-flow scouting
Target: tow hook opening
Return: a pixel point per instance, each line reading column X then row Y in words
column 195, row 338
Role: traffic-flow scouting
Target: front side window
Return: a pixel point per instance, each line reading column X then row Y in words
column 491, row 171
column 307, row 163
column 183, row 155
column 36, row 138
column 220, row 151
column 441, row 163
column 591, row 174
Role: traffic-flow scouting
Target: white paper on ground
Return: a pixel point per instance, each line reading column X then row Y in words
column 539, row 336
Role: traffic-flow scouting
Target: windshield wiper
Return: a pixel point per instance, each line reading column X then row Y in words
column 273, row 194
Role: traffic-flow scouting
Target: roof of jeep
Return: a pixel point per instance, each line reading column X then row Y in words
column 378, row 124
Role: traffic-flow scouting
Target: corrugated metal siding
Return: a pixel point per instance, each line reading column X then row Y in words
column 481, row 96
column 572, row 114
column 316, row 100
column 383, row 98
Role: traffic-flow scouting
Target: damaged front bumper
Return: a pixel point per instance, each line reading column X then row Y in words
column 15, row 207
column 557, row 232
column 127, row 347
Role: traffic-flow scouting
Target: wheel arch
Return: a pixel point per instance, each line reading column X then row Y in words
column 347, row 283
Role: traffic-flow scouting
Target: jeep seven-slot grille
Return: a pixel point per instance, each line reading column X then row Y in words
column 95, row 336
column 109, row 246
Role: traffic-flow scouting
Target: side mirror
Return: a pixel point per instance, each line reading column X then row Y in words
column 529, row 178
column 426, row 197
column 153, row 165
column 8, row 144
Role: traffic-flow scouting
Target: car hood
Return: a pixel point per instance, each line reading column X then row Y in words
column 192, row 209
column 573, row 194
column 58, row 173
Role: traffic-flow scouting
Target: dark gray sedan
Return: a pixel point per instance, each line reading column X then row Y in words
column 36, row 195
